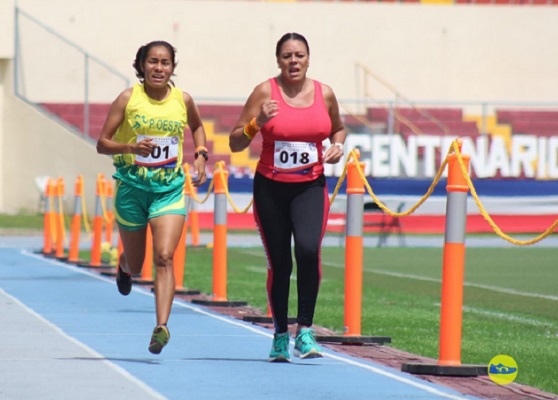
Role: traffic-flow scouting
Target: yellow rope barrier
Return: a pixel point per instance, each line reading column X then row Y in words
column 52, row 218
column 84, row 214
column 219, row 166
column 62, row 218
column 341, row 178
column 106, row 216
column 354, row 156
column 209, row 190
column 413, row 208
column 487, row 217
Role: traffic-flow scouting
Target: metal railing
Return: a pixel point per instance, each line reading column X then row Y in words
column 365, row 76
column 27, row 61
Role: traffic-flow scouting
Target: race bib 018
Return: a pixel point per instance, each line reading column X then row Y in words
column 294, row 156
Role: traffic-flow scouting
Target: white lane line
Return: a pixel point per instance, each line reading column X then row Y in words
column 469, row 284
column 508, row 317
column 472, row 310
column 436, row 280
column 147, row 389
column 259, row 331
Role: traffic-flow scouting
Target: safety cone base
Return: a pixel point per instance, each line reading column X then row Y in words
column 75, row 261
column 265, row 319
column 182, row 291
column 44, row 253
column 141, row 281
column 94, row 266
column 354, row 340
column 445, row 370
column 218, row 303
column 187, row 292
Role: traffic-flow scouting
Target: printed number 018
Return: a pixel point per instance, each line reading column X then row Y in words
column 304, row 157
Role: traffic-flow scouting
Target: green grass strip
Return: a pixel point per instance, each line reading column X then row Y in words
column 510, row 300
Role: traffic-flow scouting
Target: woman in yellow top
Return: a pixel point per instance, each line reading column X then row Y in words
column 144, row 132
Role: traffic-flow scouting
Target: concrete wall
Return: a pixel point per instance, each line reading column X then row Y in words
column 6, row 28
column 429, row 52
column 33, row 145
column 6, row 53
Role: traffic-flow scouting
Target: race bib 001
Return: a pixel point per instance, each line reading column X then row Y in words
column 165, row 155
column 294, row 156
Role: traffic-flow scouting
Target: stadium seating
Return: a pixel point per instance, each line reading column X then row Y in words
column 225, row 116
column 530, row 122
column 537, row 128
column 361, row 124
column 509, row 116
column 425, row 121
column 73, row 114
column 219, row 119
column 441, row 114
column 442, row 128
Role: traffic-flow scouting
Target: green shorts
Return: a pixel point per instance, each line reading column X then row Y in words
column 134, row 207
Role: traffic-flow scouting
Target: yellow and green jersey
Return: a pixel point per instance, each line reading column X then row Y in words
column 163, row 121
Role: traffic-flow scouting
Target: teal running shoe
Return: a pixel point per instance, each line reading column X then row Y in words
column 306, row 345
column 159, row 339
column 280, row 348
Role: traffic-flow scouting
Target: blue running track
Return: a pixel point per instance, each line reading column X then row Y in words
column 66, row 333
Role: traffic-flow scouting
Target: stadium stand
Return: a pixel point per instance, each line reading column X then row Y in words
column 219, row 119
column 529, row 122
column 510, row 116
column 224, row 116
column 442, row 114
column 429, row 121
column 443, row 128
column 73, row 114
column 536, row 128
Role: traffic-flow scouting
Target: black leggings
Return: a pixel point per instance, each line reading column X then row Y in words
column 283, row 211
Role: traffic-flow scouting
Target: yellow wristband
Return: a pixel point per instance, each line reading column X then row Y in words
column 254, row 124
column 251, row 129
column 246, row 134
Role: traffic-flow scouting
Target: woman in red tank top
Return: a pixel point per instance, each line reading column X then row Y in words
column 295, row 115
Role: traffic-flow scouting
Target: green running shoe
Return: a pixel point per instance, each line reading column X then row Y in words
column 280, row 348
column 159, row 339
column 306, row 345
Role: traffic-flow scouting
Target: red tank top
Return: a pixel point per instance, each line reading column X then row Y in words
column 292, row 141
